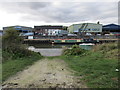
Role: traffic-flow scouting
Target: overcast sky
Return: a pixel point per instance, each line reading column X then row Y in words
column 57, row 13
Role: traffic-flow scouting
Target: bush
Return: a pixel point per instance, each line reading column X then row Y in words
column 15, row 55
column 105, row 47
column 109, row 50
column 75, row 50
column 13, row 46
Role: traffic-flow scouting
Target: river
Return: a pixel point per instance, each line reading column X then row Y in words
column 48, row 45
column 52, row 46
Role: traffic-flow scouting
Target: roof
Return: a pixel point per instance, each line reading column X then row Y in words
column 111, row 27
column 48, row 27
column 17, row 26
column 87, row 23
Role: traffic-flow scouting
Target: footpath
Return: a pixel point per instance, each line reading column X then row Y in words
column 45, row 73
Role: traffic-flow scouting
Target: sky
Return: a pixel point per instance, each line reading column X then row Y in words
column 57, row 13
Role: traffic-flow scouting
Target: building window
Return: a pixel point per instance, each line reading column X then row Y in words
column 95, row 29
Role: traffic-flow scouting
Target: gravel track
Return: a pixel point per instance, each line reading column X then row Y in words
column 45, row 73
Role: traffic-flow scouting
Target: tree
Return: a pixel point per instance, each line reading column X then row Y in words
column 11, row 39
column 65, row 27
column 13, row 46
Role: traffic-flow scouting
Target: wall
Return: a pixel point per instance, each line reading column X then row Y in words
column 90, row 28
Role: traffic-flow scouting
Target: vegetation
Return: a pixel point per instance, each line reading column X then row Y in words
column 96, row 67
column 65, row 27
column 75, row 50
column 12, row 46
column 0, row 59
column 110, row 50
column 15, row 55
column 11, row 67
column 0, row 73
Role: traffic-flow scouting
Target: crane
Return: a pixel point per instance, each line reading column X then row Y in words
column 82, row 30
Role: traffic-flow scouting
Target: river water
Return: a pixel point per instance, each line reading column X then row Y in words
column 48, row 45
column 52, row 46
column 53, row 49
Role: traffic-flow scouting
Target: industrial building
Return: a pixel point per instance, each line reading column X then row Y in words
column 57, row 32
column 111, row 29
column 91, row 28
column 49, row 30
column 21, row 29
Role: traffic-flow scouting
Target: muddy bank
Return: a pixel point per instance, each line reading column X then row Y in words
column 44, row 74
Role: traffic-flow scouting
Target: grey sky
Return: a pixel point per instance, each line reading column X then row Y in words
column 66, row 13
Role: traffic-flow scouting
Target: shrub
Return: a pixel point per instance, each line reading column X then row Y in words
column 13, row 47
column 109, row 50
column 105, row 47
column 75, row 50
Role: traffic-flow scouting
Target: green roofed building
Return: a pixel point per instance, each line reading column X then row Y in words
column 85, row 27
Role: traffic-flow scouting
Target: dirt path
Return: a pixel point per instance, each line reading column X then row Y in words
column 44, row 74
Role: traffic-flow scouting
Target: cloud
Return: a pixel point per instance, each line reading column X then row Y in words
column 62, row 12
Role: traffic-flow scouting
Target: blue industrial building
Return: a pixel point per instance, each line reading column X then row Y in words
column 21, row 29
column 111, row 28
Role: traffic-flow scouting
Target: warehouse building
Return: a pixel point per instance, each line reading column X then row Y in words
column 49, row 30
column 111, row 29
column 21, row 29
column 88, row 28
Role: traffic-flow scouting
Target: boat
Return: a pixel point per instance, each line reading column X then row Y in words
column 86, row 46
column 31, row 48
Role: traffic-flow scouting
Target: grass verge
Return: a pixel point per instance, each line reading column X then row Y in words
column 97, row 72
column 11, row 67
column 97, row 68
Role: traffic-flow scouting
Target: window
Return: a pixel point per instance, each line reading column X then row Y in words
column 95, row 29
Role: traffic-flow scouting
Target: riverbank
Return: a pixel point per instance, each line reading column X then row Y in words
column 97, row 67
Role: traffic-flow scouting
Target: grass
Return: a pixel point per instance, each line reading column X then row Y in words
column 97, row 67
column 97, row 70
column 15, row 55
column 52, row 57
column 11, row 67
column 0, row 73
column 0, row 66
